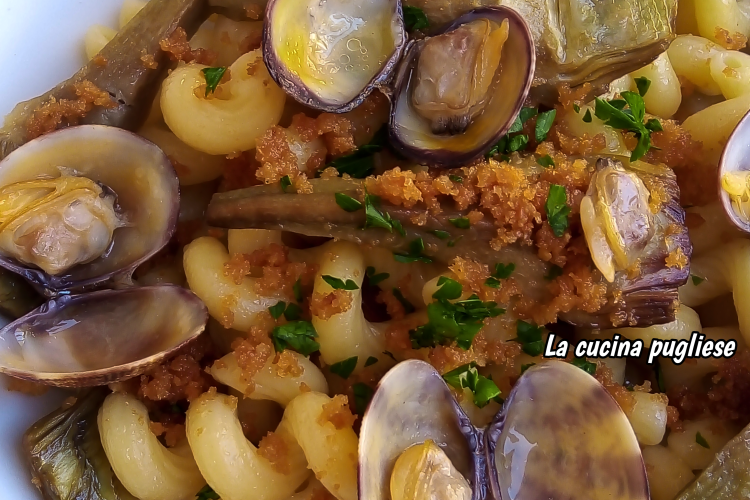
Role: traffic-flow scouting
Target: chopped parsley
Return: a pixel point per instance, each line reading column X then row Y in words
column 701, row 441
column 361, row 162
column 456, row 178
column 517, row 141
column 467, row 377
column 213, row 77
column 615, row 114
column 371, row 361
column 408, row 307
column 415, row 254
column 460, row 222
column 344, row 368
column 557, row 209
column 440, row 234
column 584, row 365
column 530, row 337
column 277, row 309
column 544, row 121
column 347, row 202
column 375, row 218
column 291, row 312
column 296, row 335
column 502, row 272
column 546, row 161
column 286, row 182
column 207, row 493
column 362, row 396
column 526, row 367
column 553, row 272
column 373, row 278
column 697, row 280
column 587, row 118
column 297, row 290
column 339, row 284
column 415, row 18
column 576, row 108
column 452, row 243
column 458, row 321
column 390, row 355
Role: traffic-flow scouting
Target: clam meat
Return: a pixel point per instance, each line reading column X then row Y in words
column 84, row 205
column 331, row 55
column 457, row 92
column 559, row 435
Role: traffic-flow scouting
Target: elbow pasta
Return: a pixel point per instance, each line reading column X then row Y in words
column 234, row 305
column 716, row 432
column 649, row 417
column 723, row 270
column 231, row 119
column 711, row 229
column 667, row 474
column 715, row 15
column 147, row 469
column 226, row 38
column 686, row 321
column 664, row 96
column 96, row 38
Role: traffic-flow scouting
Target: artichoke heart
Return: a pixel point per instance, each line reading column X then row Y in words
column 57, row 223
column 424, row 472
column 455, row 72
column 616, row 218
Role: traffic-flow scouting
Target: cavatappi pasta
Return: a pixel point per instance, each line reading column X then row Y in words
column 267, row 404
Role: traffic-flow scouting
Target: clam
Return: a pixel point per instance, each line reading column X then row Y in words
column 100, row 337
column 331, row 55
column 84, row 205
column 457, row 92
column 559, row 435
column 734, row 176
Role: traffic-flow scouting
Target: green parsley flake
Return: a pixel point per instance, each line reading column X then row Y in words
column 293, row 312
column 347, row 203
column 373, row 278
column 502, row 272
column 554, row 272
column 361, row 162
column 518, row 143
column 576, row 108
column 362, row 396
column 530, row 337
column 701, row 441
column 467, row 377
column 297, row 289
column 371, row 361
column 456, row 178
column 296, row 335
column 440, row 234
column 373, row 216
column 587, row 118
column 452, row 243
column 339, row 284
column 449, row 289
column 460, row 222
column 643, row 84
column 584, row 365
column 458, row 321
column 557, row 209
column 286, row 182
column 544, row 123
column 207, row 493
column 408, row 307
column 213, row 77
column 344, row 368
column 697, row 280
column 415, row 18
column 277, row 309
column 546, row 161
column 415, row 254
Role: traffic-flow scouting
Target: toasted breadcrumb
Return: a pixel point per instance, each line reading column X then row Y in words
column 337, row 413
column 274, row 449
column 149, row 61
column 729, row 41
column 173, row 433
column 286, row 365
column 393, row 306
column 179, row 378
column 99, row 60
column 677, row 258
column 177, row 47
column 325, row 306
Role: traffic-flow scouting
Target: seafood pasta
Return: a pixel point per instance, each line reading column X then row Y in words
column 387, row 250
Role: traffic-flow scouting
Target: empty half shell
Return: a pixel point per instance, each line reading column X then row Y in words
column 458, row 92
column 100, row 337
column 330, row 55
column 84, row 204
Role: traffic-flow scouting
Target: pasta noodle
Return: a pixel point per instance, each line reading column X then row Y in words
column 714, row 431
column 649, row 417
column 713, row 15
column 129, row 9
column 230, row 121
column 144, row 466
column 664, row 95
column 686, row 322
column 711, row 229
column 232, row 465
column 96, row 38
column 667, row 474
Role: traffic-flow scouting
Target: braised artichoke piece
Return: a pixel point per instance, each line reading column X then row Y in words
column 454, row 74
column 734, row 176
column 84, row 205
column 557, row 426
column 130, row 82
column 616, row 218
column 458, row 92
column 66, row 454
column 100, row 337
column 561, row 435
column 331, row 55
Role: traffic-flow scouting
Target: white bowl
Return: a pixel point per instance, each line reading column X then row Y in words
column 41, row 44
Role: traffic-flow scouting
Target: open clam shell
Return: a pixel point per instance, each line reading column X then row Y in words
column 734, row 176
column 560, row 435
column 136, row 170
column 331, row 55
column 100, row 337
column 412, row 133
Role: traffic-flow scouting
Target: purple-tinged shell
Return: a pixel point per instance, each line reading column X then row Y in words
column 560, row 435
column 290, row 52
column 100, row 337
column 735, row 158
column 136, row 170
column 411, row 134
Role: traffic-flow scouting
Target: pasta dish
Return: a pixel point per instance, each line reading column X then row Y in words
column 387, row 250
